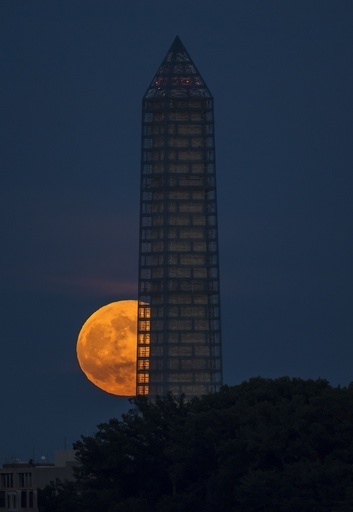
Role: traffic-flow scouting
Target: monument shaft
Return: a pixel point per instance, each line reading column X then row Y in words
column 179, row 328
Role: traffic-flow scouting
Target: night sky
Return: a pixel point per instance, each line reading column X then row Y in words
column 73, row 74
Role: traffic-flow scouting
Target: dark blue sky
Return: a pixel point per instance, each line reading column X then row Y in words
column 73, row 74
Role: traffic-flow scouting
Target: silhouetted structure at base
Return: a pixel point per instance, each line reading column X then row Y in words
column 20, row 481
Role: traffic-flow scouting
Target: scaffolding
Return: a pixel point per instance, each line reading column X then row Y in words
column 179, row 325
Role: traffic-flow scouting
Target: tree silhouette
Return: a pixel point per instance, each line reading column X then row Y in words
column 283, row 445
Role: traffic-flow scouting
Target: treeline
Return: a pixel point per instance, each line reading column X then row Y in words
column 283, row 445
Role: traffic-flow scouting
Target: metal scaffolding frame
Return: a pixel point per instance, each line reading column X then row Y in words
column 179, row 325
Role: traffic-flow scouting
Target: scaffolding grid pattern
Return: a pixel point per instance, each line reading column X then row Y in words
column 179, row 328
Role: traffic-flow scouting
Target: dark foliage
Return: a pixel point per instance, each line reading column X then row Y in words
column 283, row 445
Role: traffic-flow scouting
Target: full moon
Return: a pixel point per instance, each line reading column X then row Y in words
column 106, row 348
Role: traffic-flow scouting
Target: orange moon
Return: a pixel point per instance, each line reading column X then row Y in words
column 106, row 348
